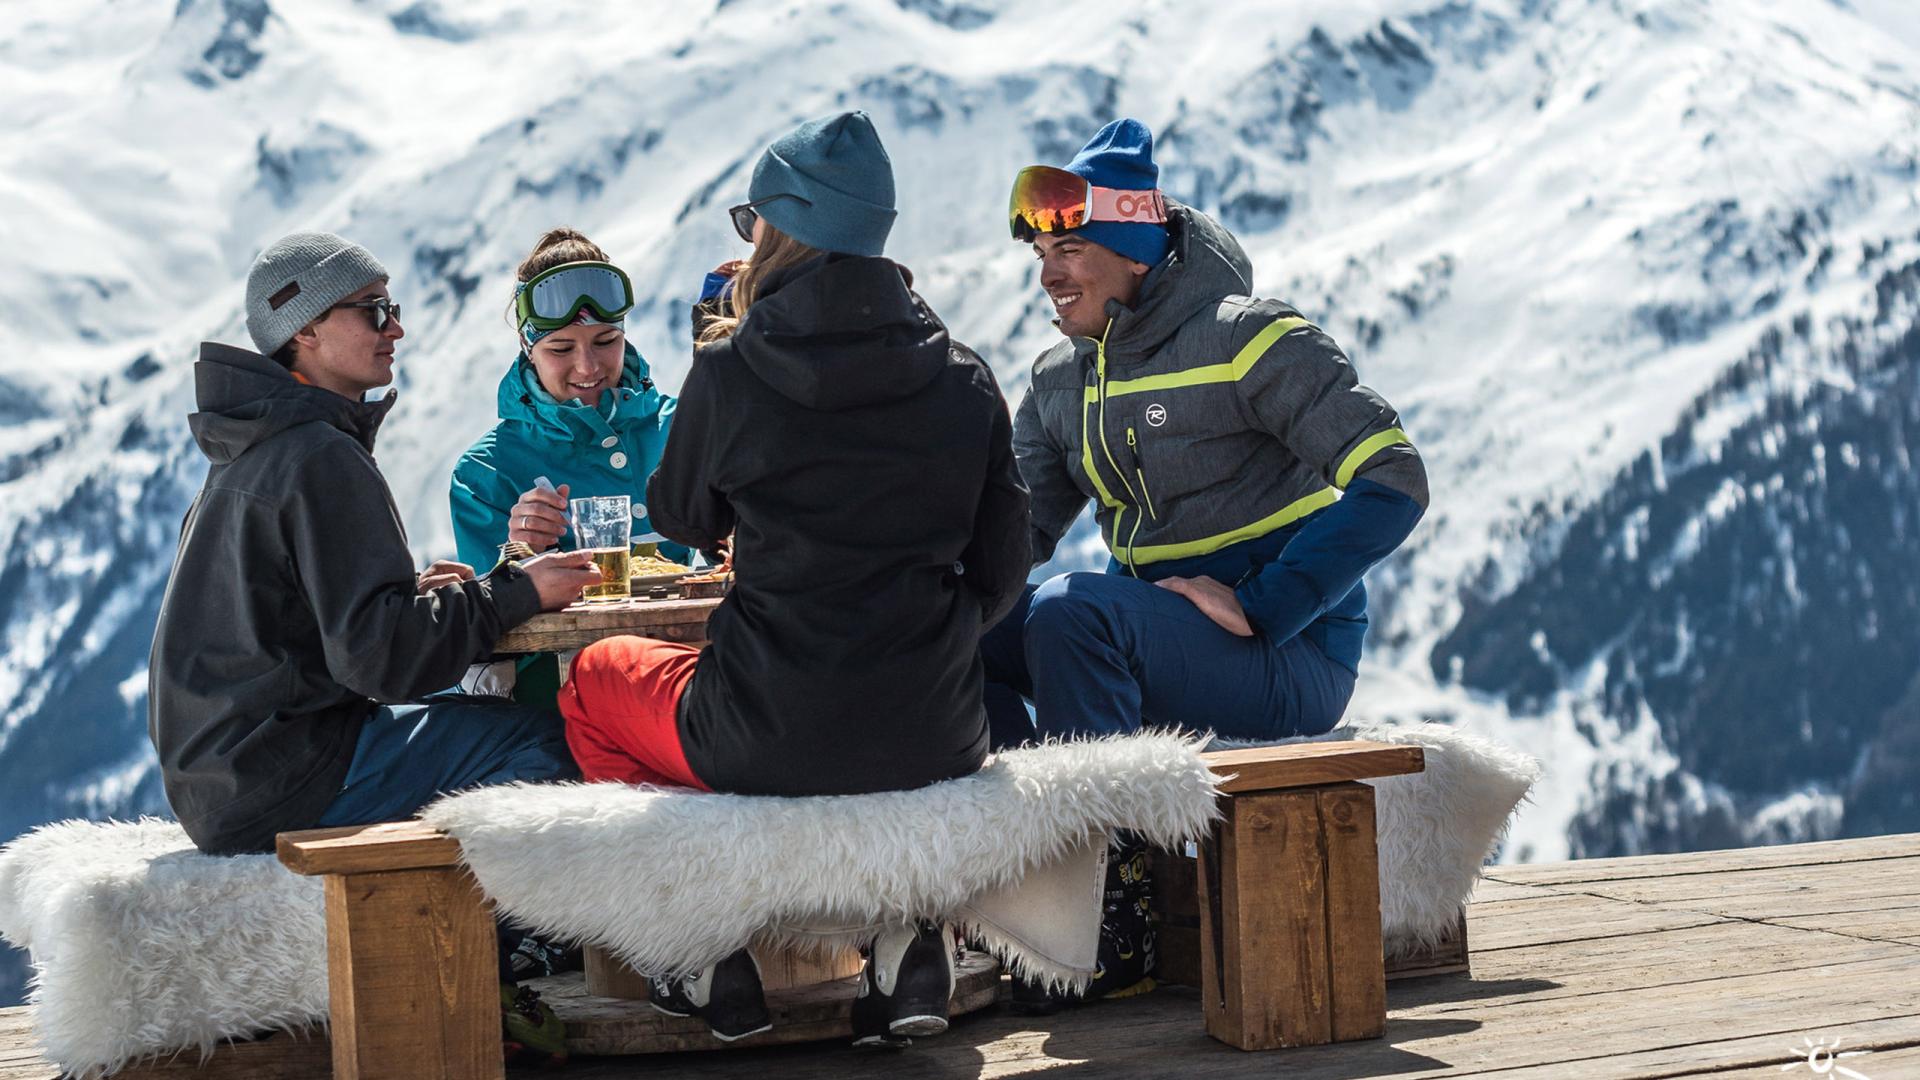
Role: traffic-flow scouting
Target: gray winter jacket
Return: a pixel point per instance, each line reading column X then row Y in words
column 292, row 608
column 1204, row 418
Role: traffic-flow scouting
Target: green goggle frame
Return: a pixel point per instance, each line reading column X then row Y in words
column 555, row 298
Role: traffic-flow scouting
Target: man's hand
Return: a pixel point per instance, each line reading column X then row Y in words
column 539, row 519
column 443, row 572
column 560, row 575
column 1215, row 601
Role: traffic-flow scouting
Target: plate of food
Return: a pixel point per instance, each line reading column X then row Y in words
column 648, row 570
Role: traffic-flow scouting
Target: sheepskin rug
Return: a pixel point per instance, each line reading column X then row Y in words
column 671, row 881
column 142, row 946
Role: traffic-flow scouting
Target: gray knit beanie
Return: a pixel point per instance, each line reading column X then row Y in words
column 843, row 181
column 298, row 278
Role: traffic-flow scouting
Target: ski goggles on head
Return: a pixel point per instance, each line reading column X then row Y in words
column 1050, row 200
column 557, row 297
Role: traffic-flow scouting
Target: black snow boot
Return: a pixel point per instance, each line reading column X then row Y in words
column 907, row 986
column 726, row 995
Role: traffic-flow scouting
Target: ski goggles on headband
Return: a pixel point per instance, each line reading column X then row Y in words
column 1050, row 200
column 557, row 297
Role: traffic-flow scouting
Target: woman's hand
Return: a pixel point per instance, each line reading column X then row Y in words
column 442, row 572
column 539, row 519
column 1215, row 601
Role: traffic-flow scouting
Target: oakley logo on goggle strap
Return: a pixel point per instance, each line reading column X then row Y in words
column 1114, row 205
column 1050, row 200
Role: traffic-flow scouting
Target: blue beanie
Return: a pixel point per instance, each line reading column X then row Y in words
column 1120, row 156
column 837, row 164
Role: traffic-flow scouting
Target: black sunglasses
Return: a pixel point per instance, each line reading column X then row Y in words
column 745, row 214
column 381, row 309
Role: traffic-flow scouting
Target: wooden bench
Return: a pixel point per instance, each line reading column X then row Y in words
column 1288, row 897
column 1288, row 889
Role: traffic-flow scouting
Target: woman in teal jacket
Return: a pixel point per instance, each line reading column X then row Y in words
column 578, row 407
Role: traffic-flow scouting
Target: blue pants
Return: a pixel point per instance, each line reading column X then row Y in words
column 1099, row 654
column 409, row 755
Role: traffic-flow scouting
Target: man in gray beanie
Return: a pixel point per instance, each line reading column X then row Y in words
column 295, row 638
column 296, row 668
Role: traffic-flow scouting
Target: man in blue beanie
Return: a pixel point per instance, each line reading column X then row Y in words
column 1243, row 480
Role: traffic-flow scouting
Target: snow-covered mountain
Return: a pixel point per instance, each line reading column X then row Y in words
column 1642, row 275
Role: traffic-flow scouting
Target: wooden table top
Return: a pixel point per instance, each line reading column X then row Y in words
column 584, row 624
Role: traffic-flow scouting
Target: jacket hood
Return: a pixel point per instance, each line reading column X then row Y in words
column 523, row 399
column 1204, row 265
column 841, row 331
column 246, row 398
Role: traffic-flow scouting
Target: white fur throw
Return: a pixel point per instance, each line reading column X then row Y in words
column 671, row 881
column 142, row 945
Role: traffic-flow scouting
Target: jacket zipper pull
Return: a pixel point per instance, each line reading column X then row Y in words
column 1139, row 472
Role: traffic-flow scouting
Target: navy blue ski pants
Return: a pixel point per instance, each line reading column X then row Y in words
column 1099, row 654
column 409, row 755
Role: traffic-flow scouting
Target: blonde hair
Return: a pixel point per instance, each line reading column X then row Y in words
column 556, row 247
column 775, row 251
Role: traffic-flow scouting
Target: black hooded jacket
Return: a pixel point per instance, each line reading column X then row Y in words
column 292, row 608
column 865, row 463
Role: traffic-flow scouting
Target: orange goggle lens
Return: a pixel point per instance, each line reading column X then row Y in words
column 1050, row 200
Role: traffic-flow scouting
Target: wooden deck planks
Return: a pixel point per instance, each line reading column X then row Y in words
column 1878, row 1062
column 1739, row 860
column 1511, row 924
column 1718, row 964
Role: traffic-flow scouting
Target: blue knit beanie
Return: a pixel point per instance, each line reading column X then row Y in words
column 838, row 166
column 1120, row 156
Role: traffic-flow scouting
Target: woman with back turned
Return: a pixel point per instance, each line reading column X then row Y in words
column 863, row 462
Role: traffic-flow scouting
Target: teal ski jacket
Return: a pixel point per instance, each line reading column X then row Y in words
column 568, row 443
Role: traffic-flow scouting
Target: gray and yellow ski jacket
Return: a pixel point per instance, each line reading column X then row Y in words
column 1216, row 434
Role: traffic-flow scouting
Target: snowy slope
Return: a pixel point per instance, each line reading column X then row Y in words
column 1554, row 233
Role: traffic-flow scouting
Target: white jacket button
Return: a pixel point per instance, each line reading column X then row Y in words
column 610, row 441
column 618, row 460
